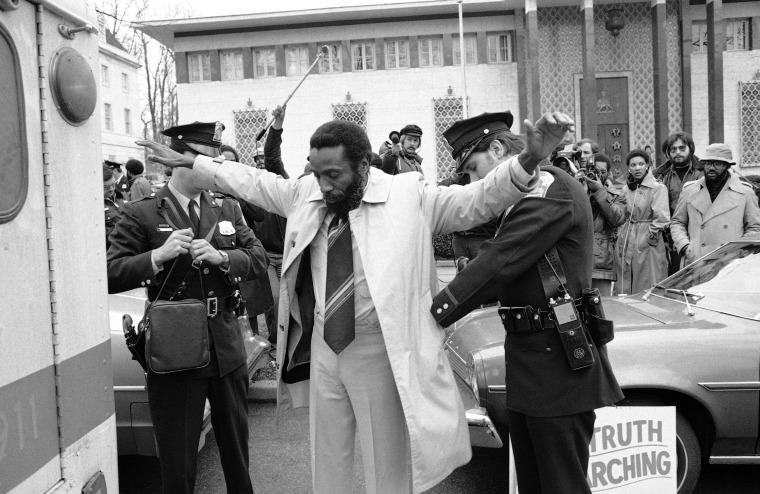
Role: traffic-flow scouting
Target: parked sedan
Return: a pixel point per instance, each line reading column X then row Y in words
column 134, row 428
column 692, row 341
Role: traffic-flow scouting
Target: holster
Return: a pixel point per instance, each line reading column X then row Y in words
column 521, row 319
column 602, row 330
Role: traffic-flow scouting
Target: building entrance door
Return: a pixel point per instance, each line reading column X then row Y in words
column 612, row 120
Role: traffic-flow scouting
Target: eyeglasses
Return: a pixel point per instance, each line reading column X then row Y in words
column 675, row 149
column 714, row 164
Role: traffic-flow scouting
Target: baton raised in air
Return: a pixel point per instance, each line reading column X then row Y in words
column 322, row 52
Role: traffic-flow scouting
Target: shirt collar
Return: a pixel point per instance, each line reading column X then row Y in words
column 183, row 200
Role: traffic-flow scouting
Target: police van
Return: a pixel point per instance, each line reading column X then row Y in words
column 57, row 423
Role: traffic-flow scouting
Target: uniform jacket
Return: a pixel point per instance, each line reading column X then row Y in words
column 608, row 209
column 392, row 229
column 666, row 174
column 705, row 224
column 539, row 379
column 144, row 227
column 112, row 211
column 646, row 211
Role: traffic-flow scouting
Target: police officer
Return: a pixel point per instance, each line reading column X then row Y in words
column 111, row 204
column 550, row 406
column 121, row 182
column 144, row 246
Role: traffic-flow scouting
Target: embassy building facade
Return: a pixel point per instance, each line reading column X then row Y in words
column 628, row 72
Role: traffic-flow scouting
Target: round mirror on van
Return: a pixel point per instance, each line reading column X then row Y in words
column 72, row 86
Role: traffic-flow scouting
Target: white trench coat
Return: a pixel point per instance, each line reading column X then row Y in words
column 393, row 229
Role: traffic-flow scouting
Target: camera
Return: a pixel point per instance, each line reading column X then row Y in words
column 592, row 173
column 567, row 160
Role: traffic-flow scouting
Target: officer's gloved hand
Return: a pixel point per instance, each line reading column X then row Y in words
column 461, row 262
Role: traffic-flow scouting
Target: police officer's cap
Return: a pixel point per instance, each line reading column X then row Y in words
column 411, row 130
column 202, row 137
column 465, row 135
column 112, row 164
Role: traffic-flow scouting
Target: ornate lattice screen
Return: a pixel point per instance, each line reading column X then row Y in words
column 248, row 123
column 750, row 124
column 351, row 112
column 446, row 111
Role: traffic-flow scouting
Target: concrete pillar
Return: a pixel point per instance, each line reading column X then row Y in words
column 660, row 71
column 686, row 49
column 716, row 45
column 522, row 74
column 531, row 23
column 588, row 85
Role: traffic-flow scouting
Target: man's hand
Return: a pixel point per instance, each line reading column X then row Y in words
column 202, row 251
column 688, row 255
column 279, row 116
column 178, row 243
column 396, row 149
column 543, row 137
column 158, row 153
column 594, row 185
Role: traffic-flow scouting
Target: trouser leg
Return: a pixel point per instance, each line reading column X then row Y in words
column 176, row 409
column 560, row 451
column 332, row 424
column 366, row 373
column 228, row 396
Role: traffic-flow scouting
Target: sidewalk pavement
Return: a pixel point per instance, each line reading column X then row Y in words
column 265, row 391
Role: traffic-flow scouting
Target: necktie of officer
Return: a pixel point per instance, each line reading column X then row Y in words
column 194, row 219
column 339, row 292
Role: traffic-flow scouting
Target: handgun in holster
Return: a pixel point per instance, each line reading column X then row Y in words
column 602, row 330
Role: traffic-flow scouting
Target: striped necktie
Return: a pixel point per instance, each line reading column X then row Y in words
column 339, row 292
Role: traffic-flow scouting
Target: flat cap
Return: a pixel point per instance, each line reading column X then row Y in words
column 464, row 135
column 113, row 165
column 411, row 130
column 718, row 152
column 203, row 137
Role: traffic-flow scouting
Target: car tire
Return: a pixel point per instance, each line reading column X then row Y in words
column 688, row 450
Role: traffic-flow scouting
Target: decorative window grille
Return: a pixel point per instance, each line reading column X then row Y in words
column 431, row 52
column 446, row 111
column 248, row 123
column 500, row 48
column 470, row 49
column 363, row 55
column 397, row 54
column 232, row 65
column 750, row 122
column 199, row 66
column 351, row 112
column 296, row 60
column 333, row 62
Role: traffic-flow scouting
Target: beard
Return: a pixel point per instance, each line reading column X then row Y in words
column 345, row 201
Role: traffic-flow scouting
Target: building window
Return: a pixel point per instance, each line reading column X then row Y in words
column 446, row 112
column 199, row 66
column 750, row 122
column 296, row 60
column 264, row 63
column 470, row 50
column 500, row 48
column 127, row 121
column 105, row 79
column 248, row 123
column 232, row 65
column 397, row 54
column 124, row 82
column 431, row 52
column 107, row 116
column 351, row 112
column 736, row 35
column 363, row 55
column 333, row 62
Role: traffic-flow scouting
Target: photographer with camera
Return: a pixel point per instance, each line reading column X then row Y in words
column 607, row 206
column 402, row 155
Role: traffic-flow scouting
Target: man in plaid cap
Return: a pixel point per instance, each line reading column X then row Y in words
column 713, row 209
column 402, row 156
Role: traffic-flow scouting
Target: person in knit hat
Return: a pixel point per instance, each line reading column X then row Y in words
column 402, row 156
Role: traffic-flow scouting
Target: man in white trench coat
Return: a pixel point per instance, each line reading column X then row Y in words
column 383, row 373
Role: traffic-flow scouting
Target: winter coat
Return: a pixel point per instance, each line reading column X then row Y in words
column 706, row 224
column 608, row 207
column 641, row 264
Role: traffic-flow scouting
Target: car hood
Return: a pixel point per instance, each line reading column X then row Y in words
column 482, row 328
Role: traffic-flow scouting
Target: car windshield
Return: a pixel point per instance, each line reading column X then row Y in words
column 727, row 280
